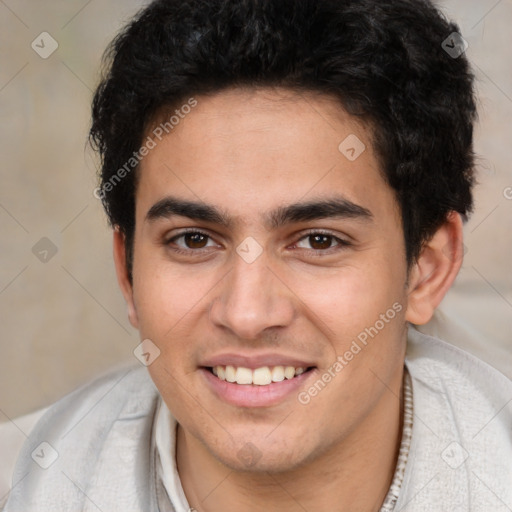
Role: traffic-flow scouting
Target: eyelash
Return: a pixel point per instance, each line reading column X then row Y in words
column 314, row 252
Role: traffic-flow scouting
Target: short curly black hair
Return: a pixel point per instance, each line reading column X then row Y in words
column 398, row 64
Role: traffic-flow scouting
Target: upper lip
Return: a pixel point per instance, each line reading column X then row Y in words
column 254, row 361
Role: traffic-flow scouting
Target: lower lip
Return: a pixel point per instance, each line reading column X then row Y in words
column 251, row 395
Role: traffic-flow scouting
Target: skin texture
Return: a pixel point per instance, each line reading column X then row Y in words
column 248, row 152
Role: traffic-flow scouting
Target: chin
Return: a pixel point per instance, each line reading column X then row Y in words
column 254, row 454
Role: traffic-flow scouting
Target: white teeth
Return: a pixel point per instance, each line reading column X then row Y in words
column 278, row 374
column 259, row 377
column 289, row 372
column 230, row 374
column 243, row 375
column 262, row 376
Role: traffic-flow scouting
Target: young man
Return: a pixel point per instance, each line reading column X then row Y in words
column 287, row 182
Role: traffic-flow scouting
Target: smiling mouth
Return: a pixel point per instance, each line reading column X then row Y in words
column 263, row 376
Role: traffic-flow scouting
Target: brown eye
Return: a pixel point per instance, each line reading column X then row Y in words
column 195, row 240
column 320, row 241
column 191, row 241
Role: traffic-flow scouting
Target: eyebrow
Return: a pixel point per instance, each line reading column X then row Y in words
column 332, row 207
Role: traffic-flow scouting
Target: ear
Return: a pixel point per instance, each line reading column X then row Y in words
column 122, row 276
column 435, row 270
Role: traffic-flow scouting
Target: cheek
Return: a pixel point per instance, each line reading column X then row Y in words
column 351, row 298
column 365, row 313
column 180, row 393
column 166, row 294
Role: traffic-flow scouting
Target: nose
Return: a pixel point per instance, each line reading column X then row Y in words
column 252, row 298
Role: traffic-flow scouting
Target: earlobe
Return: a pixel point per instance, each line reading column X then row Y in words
column 123, row 277
column 435, row 270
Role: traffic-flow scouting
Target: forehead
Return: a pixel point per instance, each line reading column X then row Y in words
column 250, row 149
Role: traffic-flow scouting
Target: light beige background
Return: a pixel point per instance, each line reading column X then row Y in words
column 64, row 321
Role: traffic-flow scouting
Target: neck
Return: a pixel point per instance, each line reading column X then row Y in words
column 354, row 474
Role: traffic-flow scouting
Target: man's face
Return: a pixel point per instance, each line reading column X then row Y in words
column 264, row 285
